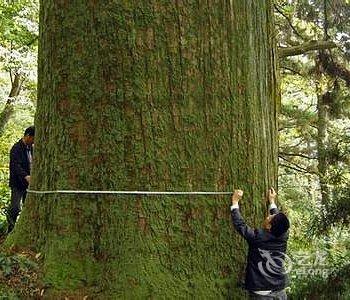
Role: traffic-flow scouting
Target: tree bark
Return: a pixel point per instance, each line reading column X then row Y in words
column 8, row 109
column 159, row 96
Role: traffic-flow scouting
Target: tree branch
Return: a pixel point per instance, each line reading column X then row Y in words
column 295, row 154
column 289, row 21
column 292, row 71
column 306, row 47
column 296, row 169
column 334, row 69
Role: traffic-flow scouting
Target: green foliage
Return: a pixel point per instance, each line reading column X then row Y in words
column 18, row 48
column 7, row 293
column 335, row 213
column 10, row 263
column 18, row 22
column 333, row 282
column 316, row 225
column 18, row 276
column 312, row 278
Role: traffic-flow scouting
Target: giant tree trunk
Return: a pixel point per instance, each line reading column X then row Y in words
column 159, row 96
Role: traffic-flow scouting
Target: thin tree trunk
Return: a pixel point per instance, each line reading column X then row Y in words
column 150, row 95
column 322, row 146
column 322, row 134
column 9, row 109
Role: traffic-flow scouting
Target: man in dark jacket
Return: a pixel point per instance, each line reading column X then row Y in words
column 265, row 273
column 20, row 164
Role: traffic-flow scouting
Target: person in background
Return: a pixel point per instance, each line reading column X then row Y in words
column 21, row 156
column 266, row 277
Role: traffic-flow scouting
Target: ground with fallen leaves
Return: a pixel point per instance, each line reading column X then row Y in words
column 19, row 274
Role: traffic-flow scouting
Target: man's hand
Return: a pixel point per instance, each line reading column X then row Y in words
column 237, row 195
column 27, row 178
column 272, row 195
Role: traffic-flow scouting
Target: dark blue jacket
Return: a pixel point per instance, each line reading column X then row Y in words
column 19, row 165
column 266, row 254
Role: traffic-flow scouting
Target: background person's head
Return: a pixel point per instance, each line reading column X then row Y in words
column 29, row 134
column 277, row 224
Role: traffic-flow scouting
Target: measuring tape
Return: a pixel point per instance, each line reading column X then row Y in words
column 126, row 192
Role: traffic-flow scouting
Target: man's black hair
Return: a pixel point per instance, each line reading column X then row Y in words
column 30, row 131
column 279, row 224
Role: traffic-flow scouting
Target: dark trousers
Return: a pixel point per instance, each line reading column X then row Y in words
column 278, row 295
column 17, row 196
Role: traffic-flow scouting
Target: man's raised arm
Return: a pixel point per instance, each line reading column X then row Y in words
column 237, row 220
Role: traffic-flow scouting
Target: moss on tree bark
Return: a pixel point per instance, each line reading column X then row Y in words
column 150, row 95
